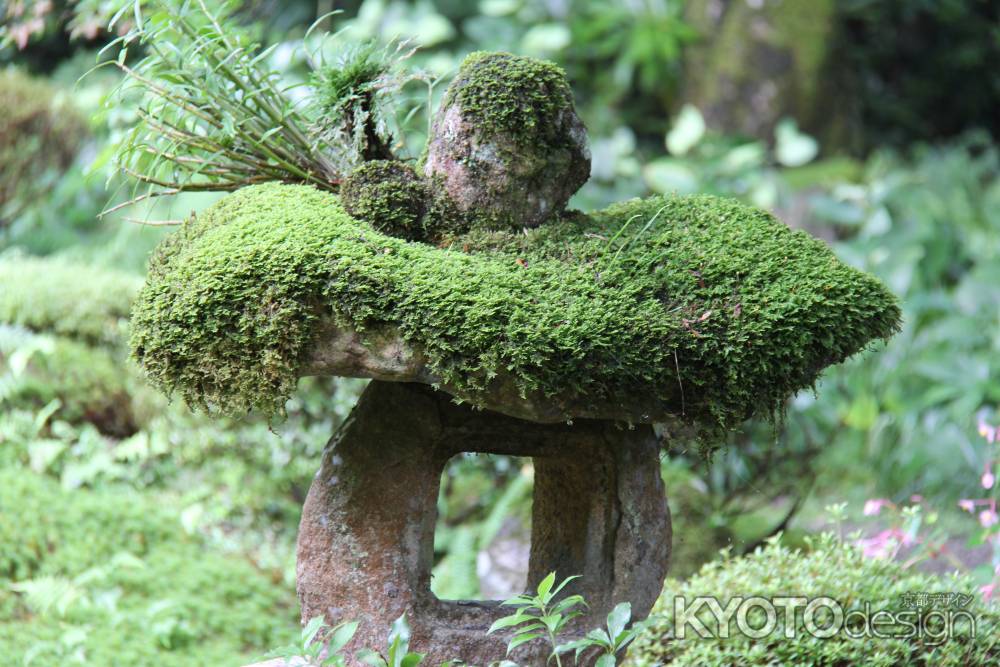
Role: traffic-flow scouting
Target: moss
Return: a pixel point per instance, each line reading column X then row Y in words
column 515, row 96
column 132, row 584
column 90, row 384
column 390, row 196
column 713, row 307
column 65, row 298
column 829, row 569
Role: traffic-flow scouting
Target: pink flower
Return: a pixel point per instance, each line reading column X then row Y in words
column 967, row 505
column 988, row 479
column 987, row 591
column 988, row 518
column 987, row 431
column 875, row 505
column 883, row 545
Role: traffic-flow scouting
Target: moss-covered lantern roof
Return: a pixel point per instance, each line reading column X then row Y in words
column 694, row 310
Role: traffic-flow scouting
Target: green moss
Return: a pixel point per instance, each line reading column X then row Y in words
column 90, row 384
column 389, row 195
column 830, row 569
column 713, row 307
column 516, row 96
column 66, row 298
column 111, row 576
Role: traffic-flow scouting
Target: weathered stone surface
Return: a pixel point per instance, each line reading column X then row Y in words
column 366, row 538
column 382, row 354
column 513, row 175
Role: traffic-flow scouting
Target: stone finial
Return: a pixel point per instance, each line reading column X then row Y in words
column 506, row 143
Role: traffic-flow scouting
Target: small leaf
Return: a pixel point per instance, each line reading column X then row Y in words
column 412, row 660
column 522, row 639
column 309, row 632
column 564, row 582
column 509, row 621
column 621, row 614
column 545, row 585
column 792, row 147
column 342, row 634
column 370, row 657
column 606, row 660
column 687, row 131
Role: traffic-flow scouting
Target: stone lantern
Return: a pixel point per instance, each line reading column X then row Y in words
column 491, row 319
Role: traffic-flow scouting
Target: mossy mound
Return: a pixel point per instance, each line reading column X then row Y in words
column 390, row 195
column 111, row 578
column 90, row 384
column 713, row 307
column 830, row 569
column 66, row 298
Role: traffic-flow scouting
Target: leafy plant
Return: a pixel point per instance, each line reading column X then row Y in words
column 214, row 115
column 319, row 650
column 609, row 642
column 356, row 101
column 397, row 653
column 539, row 616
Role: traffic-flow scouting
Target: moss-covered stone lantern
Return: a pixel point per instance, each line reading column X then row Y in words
column 490, row 319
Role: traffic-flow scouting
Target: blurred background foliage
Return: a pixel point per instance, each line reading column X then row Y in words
column 872, row 124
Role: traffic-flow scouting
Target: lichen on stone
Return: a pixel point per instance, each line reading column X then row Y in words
column 713, row 307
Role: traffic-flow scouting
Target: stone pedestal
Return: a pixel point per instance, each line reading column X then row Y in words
column 366, row 540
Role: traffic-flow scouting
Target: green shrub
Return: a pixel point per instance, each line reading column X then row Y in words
column 66, row 298
column 830, row 568
column 112, row 578
column 40, row 134
column 91, row 384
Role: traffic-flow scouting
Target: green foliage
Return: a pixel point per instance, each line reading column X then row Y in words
column 541, row 616
column 88, row 383
column 316, row 639
column 609, row 641
column 929, row 226
column 214, row 113
column 67, row 298
column 516, row 96
column 355, row 101
column 397, row 653
column 828, row 568
column 74, row 588
column 745, row 309
column 40, row 133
